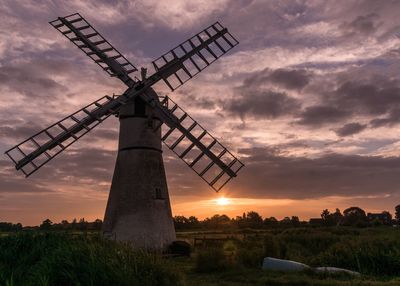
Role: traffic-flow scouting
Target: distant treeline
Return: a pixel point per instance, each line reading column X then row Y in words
column 353, row 216
column 47, row 224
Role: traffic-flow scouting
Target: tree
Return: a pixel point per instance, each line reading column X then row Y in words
column 286, row 221
column 180, row 221
column 83, row 224
column 354, row 216
column 64, row 224
column 254, row 220
column 18, row 226
column 250, row 220
column 74, row 223
column 325, row 214
column 46, row 224
column 397, row 214
column 217, row 221
column 386, row 218
column 327, row 217
column 270, row 221
column 331, row 219
column 193, row 221
column 97, row 224
column 295, row 221
column 337, row 217
column 8, row 226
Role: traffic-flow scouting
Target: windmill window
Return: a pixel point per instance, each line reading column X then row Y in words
column 158, row 194
column 140, row 107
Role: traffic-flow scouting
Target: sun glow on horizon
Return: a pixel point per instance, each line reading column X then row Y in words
column 222, row 201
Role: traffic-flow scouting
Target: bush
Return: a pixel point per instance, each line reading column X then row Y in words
column 252, row 250
column 312, row 242
column 367, row 255
column 250, row 257
column 180, row 247
column 271, row 246
column 211, row 260
column 60, row 259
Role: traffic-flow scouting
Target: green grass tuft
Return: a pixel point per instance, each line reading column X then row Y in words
column 61, row 259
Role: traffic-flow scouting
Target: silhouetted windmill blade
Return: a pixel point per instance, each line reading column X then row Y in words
column 174, row 68
column 94, row 45
column 139, row 176
column 195, row 54
column 31, row 154
column 196, row 146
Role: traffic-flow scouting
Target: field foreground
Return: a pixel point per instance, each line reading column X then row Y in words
column 219, row 258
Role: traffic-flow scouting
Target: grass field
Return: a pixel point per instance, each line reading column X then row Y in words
column 219, row 258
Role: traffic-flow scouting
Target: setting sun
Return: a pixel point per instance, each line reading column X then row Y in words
column 222, row 201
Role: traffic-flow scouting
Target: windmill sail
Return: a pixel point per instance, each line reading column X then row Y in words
column 94, row 45
column 184, row 136
column 195, row 146
column 31, row 154
column 195, row 54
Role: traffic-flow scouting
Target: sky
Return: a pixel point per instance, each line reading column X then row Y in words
column 309, row 101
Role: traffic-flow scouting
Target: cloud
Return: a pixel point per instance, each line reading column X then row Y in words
column 88, row 165
column 173, row 14
column 350, row 129
column 290, row 79
column 264, row 94
column 12, row 183
column 392, row 119
column 269, row 173
column 178, row 14
column 364, row 25
column 337, row 97
column 32, row 85
column 262, row 104
column 316, row 116
column 9, row 185
column 372, row 98
column 107, row 133
column 320, row 65
column 18, row 132
column 285, row 78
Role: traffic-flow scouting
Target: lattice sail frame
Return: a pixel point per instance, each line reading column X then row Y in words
column 218, row 41
column 200, row 151
column 216, row 175
column 75, row 28
column 60, row 135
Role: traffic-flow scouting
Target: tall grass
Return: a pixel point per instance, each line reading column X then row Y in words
column 375, row 252
column 60, row 259
column 211, row 259
column 63, row 259
column 369, row 256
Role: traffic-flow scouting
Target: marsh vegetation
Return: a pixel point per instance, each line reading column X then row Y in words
column 220, row 257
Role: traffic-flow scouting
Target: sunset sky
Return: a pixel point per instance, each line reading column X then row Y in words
column 309, row 101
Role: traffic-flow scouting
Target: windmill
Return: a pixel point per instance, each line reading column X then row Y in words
column 138, row 208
